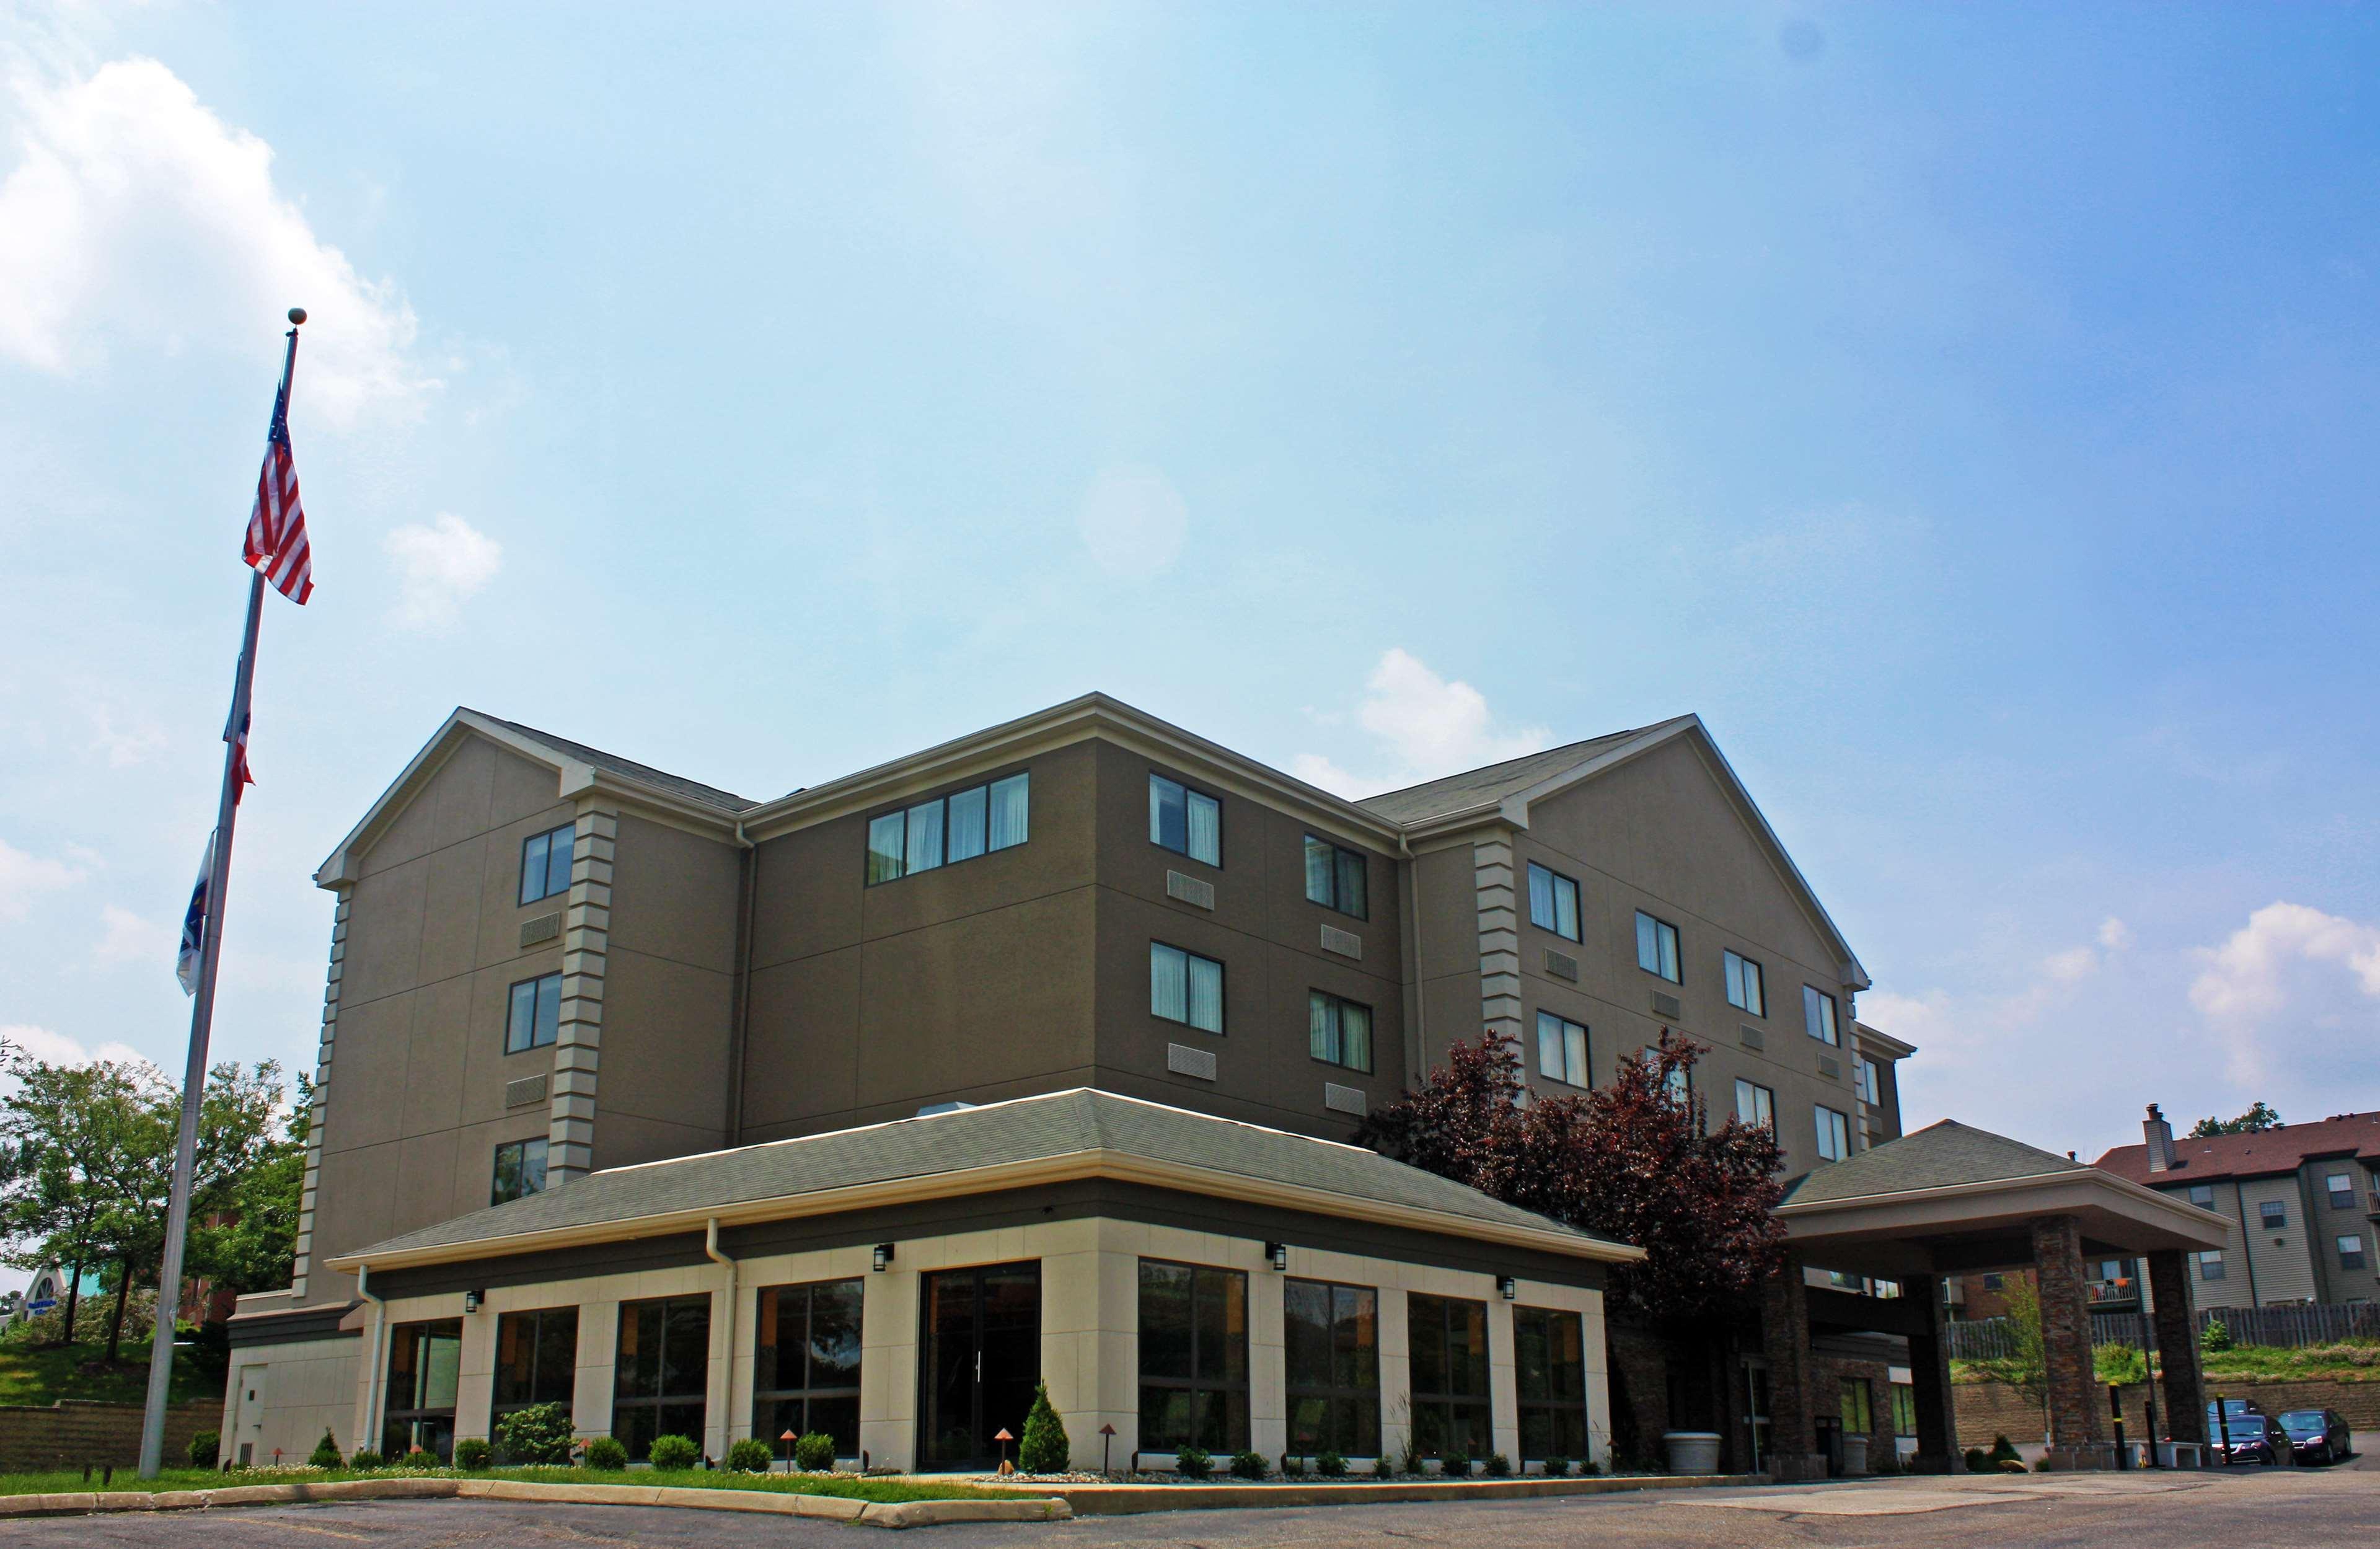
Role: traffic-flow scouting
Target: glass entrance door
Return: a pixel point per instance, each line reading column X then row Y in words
column 982, row 1357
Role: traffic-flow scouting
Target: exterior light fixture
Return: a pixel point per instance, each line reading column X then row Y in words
column 470, row 1301
column 1507, row 1287
column 1276, row 1255
column 881, row 1258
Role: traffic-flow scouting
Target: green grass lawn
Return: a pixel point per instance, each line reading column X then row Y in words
column 845, row 1485
column 2351, row 1361
column 44, row 1375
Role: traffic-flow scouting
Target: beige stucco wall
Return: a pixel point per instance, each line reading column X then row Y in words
column 302, row 1389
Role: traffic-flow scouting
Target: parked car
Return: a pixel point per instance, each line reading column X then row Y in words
column 2318, row 1435
column 2257, row 1439
column 2232, row 1407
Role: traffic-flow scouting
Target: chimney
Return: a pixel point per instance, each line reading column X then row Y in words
column 2160, row 1138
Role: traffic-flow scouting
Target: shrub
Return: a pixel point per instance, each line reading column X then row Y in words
column 203, row 1446
column 1499, row 1466
column 2120, row 1362
column 473, row 1452
column 1413, row 1463
column 365, row 1459
column 1194, row 1462
column 1292, row 1466
column 538, row 1435
column 2004, row 1451
column 749, row 1456
column 2216, row 1337
column 326, row 1453
column 606, row 1455
column 1557, row 1467
column 1045, row 1449
column 1454, row 1465
column 1977, row 1459
column 1248, row 1465
column 674, row 1452
column 1384, row 1466
column 814, row 1452
column 1330, row 1466
column 1590, row 1469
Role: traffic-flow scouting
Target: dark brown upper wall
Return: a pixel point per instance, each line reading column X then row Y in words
column 668, row 990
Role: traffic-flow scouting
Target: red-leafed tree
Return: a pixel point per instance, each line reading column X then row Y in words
column 1637, row 1160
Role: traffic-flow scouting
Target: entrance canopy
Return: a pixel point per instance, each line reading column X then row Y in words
column 1953, row 1200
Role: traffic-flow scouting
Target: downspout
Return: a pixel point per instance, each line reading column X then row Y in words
column 2247, row 1243
column 727, row 1396
column 376, row 1355
column 740, row 986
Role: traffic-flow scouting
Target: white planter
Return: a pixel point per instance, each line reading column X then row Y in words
column 1691, row 1452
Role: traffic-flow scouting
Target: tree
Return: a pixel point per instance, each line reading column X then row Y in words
column 2255, row 1121
column 2027, row 1366
column 1044, row 1449
column 252, row 1246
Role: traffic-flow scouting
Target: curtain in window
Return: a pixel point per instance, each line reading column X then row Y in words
column 966, row 841
column 1168, row 988
column 1166, row 825
column 1351, row 883
column 1008, row 800
column 1541, row 900
column 1574, row 1051
column 1549, row 1046
column 885, row 847
column 1354, row 1036
column 1322, row 1027
column 925, row 836
column 1206, row 826
column 1566, row 907
column 1205, row 994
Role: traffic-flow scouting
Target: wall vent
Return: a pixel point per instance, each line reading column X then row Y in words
column 545, row 927
column 1752, row 1036
column 1184, row 1060
column 1190, row 890
column 1344, row 1099
column 1831, row 1067
column 1347, row 944
column 528, row 1090
column 1561, row 965
column 1665, row 1005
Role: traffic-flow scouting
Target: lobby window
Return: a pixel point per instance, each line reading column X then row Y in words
column 1755, row 1103
column 1904, row 1410
column 537, row 1359
column 662, row 1372
column 1561, row 1050
column 2271, row 1214
column 545, row 863
column 1553, row 902
column 1332, row 1336
column 2203, row 1195
column 1818, row 1015
column 534, row 1018
column 519, row 1171
column 1549, row 1369
column 928, row 836
column 2351, row 1250
column 805, row 1375
column 1194, row 1358
column 2210, row 1265
column 2342, row 1188
column 425, row 1367
column 1334, row 878
column 1858, row 1405
column 1185, row 822
column 1657, row 947
column 1834, row 1135
column 1745, row 990
column 1448, row 1337
column 1186, row 988
column 1339, row 1031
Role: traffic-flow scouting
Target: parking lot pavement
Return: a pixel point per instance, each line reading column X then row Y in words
column 2304, row 1508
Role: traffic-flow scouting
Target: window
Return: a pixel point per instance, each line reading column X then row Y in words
column 537, row 1359
column 1339, row 1031
column 1678, row 1083
column 1904, row 1410
column 1994, row 1282
column 2203, row 1195
column 520, row 1171
column 2271, row 1214
column 662, row 1371
column 1553, row 902
column 1864, row 1079
column 1745, row 989
column 2351, row 1250
column 535, row 1018
column 1332, row 1336
column 1334, row 878
column 1194, row 1358
column 2210, row 1265
column 1657, row 946
column 1818, row 1015
column 1184, row 820
column 1561, row 1050
column 2342, row 1188
column 1834, row 1134
column 545, row 863
column 1550, row 1368
column 1755, row 1103
column 1448, row 1337
column 425, row 1366
column 1185, row 987
column 949, row 829
column 1858, row 1402
column 806, row 1372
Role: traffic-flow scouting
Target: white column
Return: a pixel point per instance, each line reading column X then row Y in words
column 599, row 1345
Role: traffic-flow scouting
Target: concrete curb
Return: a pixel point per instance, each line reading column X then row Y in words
column 1108, row 1500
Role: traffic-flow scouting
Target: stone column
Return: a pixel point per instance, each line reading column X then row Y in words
column 1785, row 1336
column 2075, row 1439
column 2177, row 1337
column 1929, row 1374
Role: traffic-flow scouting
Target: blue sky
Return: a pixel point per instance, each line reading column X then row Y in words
column 1969, row 411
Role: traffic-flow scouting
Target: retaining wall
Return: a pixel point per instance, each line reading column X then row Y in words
column 1988, row 1409
column 70, row 1433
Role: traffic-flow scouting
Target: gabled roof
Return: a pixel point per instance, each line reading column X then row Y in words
column 1938, row 1156
column 630, row 769
column 2259, row 1154
column 1490, row 783
column 1078, row 1133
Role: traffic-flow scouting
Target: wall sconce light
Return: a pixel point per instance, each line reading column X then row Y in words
column 1507, row 1287
column 881, row 1257
column 1276, row 1255
column 470, row 1301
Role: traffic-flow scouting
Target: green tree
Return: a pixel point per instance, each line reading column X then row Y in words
column 1045, row 1449
column 2255, row 1121
column 2026, row 1367
column 250, row 1244
column 64, row 1130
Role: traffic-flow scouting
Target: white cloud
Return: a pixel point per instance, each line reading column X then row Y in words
column 1316, row 770
column 128, row 938
column 2291, row 975
column 22, row 876
column 2067, row 967
column 124, row 746
column 135, row 216
column 1134, row 521
column 1426, row 727
column 440, row 567
column 56, row 1048
column 2114, row 934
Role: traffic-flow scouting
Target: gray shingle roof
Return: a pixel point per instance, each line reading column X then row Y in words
column 643, row 774
column 1479, row 787
column 1025, row 1129
column 1934, row 1157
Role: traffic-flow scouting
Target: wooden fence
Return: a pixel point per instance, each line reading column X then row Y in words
column 2300, row 1324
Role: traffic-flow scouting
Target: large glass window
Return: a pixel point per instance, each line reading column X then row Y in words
column 1333, row 1338
column 1334, row 878
column 662, row 1372
column 1549, row 1357
column 1657, row 947
column 534, row 1016
column 1834, row 1134
column 1904, row 1410
column 1194, row 1358
column 1185, row 822
column 1745, row 990
column 1858, row 1405
column 425, row 1365
column 545, row 863
column 537, row 1359
column 1553, row 902
column 519, row 1170
column 1339, row 1031
column 805, row 1375
column 928, row 836
column 1755, row 1103
column 1185, row 987
column 1448, row 1337
column 1818, row 1015
column 1561, row 1050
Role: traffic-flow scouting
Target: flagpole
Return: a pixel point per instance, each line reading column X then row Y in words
column 202, row 1009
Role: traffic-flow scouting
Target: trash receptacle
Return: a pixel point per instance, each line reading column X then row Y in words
column 1691, row 1452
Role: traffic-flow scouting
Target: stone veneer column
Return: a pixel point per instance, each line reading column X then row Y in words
column 585, row 942
column 2177, row 1338
column 1785, row 1337
column 1499, row 941
column 2075, row 1436
column 304, row 1240
column 1929, row 1375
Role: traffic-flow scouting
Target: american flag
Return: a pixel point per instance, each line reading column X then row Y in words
column 241, row 779
column 277, row 528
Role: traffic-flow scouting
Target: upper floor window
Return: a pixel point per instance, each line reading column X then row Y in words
column 1864, row 1079
column 2203, row 1195
column 545, row 863
column 1818, row 1015
column 2351, row 1250
column 1334, row 878
column 520, row 1170
column 949, row 829
column 1677, row 1084
column 1834, row 1134
column 1745, row 989
column 2210, row 1265
column 2271, row 1214
column 2341, row 1188
column 534, row 1018
column 1185, row 987
column 1755, row 1103
column 1339, row 1031
column 1184, row 820
column 1553, row 902
column 1657, row 946
column 1561, row 1050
